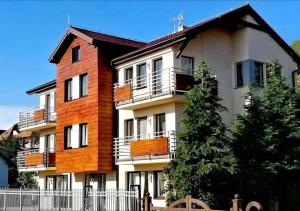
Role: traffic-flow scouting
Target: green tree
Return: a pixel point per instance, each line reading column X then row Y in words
column 9, row 148
column 204, row 161
column 296, row 46
column 27, row 180
column 266, row 139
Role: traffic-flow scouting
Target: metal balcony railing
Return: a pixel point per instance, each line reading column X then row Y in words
column 163, row 82
column 36, row 116
column 151, row 146
column 35, row 158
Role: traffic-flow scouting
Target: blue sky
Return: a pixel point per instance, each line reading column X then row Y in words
column 31, row 30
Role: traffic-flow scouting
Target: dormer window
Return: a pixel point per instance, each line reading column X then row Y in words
column 76, row 54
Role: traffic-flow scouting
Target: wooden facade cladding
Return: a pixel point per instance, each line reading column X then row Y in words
column 156, row 146
column 39, row 115
column 96, row 109
column 123, row 93
column 184, row 82
column 34, row 159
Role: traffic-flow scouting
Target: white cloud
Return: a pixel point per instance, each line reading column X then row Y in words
column 9, row 115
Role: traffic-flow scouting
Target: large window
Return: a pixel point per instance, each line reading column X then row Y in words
column 76, row 54
column 128, row 128
column 142, row 127
column 141, row 76
column 68, row 90
column 83, row 135
column 128, row 74
column 159, row 184
column 67, row 137
column 83, row 85
column 258, row 73
column 239, row 75
column 160, row 124
column 187, row 64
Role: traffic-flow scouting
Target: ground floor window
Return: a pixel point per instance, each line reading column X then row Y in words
column 95, row 181
column 153, row 182
column 57, row 182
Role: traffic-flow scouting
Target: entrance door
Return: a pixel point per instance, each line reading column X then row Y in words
column 95, row 182
column 157, row 83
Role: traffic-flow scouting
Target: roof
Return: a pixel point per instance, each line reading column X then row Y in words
column 41, row 88
column 91, row 37
column 9, row 133
column 229, row 18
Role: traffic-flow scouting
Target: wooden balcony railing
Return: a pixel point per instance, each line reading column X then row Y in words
column 36, row 116
column 31, row 159
column 167, row 81
column 144, row 147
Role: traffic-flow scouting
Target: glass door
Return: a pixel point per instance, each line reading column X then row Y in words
column 157, row 83
column 142, row 127
column 160, row 124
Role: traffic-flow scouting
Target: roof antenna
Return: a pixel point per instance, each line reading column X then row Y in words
column 179, row 19
column 69, row 20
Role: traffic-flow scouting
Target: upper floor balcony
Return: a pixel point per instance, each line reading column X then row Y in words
column 37, row 118
column 159, row 146
column 35, row 159
column 153, row 88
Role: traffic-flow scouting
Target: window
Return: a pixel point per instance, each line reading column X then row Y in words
column 160, row 124
column 68, row 135
column 142, row 127
column 76, row 54
column 83, row 135
column 129, row 128
column 258, row 73
column 47, row 143
column 239, row 75
column 68, row 90
column 83, row 85
column 187, row 64
column 141, row 76
column 128, row 74
column 96, row 181
column 59, row 182
column 160, row 183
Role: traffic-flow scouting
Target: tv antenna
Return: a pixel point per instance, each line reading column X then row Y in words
column 69, row 20
column 178, row 21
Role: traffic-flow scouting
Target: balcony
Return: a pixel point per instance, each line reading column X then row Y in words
column 142, row 148
column 159, row 86
column 37, row 118
column 34, row 159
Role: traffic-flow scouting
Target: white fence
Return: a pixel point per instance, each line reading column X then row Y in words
column 72, row 200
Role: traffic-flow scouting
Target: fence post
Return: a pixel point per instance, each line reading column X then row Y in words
column 5, row 199
column 147, row 201
column 21, row 199
column 39, row 199
column 236, row 203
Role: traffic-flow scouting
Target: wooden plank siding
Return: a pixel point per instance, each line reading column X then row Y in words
column 39, row 115
column 34, row 159
column 97, row 109
column 122, row 93
column 156, row 146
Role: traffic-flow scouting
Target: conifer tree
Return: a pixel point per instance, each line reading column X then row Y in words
column 266, row 139
column 203, row 161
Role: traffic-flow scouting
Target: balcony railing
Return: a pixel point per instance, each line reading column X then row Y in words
column 36, row 116
column 34, row 159
column 166, row 81
column 159, row 145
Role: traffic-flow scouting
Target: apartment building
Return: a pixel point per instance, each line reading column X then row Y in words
column 76, row 114
column 149, row 92
column 111, row 117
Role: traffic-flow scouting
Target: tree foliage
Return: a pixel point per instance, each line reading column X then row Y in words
column 296, row 46
column 266, row 138
column 204, row 161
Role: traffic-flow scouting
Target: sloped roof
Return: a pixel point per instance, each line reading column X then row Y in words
column 91, row 37
column 8, row 133
column 43, row 87
column 229, row 18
